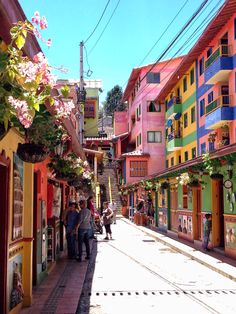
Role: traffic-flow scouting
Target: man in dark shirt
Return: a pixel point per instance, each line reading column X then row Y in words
column 71, row 222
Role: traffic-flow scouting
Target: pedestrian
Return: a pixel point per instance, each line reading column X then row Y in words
column 90, row 205
column 207, row 231
column 83, row 229
column 113, row 206
column 71, row 222
column 107, row 220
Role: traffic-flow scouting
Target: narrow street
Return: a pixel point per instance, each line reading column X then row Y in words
column 134, row 273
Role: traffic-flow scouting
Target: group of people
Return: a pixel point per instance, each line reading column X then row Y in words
column 80, row 225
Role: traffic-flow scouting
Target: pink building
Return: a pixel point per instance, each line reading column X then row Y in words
column 144, row 152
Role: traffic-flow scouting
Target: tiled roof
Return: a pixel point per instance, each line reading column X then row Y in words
column 136, row 153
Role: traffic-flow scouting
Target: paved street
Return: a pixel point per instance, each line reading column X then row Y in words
column 134, row 273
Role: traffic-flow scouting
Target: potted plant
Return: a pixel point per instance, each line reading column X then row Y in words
column 212, row 166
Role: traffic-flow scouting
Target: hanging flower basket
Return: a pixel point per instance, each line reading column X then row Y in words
column 3, row 131
column 216, row 176
column 32, row 153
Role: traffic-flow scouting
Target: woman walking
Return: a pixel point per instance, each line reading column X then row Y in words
column 107, row 220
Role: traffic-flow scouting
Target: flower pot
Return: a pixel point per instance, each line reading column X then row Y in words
column 31, row 153
column 217, row 176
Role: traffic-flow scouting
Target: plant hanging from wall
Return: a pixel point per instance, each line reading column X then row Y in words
column 212, row 166
column 26, row 84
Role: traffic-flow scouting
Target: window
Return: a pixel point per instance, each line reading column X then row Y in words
column 193, row 114
column 167, row 163
column 153, row 78
column 166, row 104
column 185, row 84
column 154, row 137
column 191, row 76
column 194, row 152
column 203, row 148
column 172, row 161
column 201, row 66
column 138, row 168
column 211, row 146
column 210, row 97
column 179, row 159
column 185, row 120
column 89, row 108
column 139, row 139
column 209, row 52
column 202, row 107
column 139, row 109
column 186, row 156
column 153, row 107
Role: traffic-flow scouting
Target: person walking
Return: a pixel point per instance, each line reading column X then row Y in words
column 90, row 205
column 207, row 231
column 83, row 229
column 107, row 220
column 71, row 221
column 113, row 206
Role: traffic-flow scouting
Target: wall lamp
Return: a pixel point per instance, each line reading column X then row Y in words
column 230, row 169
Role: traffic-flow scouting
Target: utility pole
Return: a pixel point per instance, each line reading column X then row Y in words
column 81, row 94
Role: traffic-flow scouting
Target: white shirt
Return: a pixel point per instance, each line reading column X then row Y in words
column 113, row 206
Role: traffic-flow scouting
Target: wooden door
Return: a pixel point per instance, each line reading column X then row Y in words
column 217, row 214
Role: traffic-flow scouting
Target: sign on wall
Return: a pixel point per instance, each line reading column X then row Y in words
column 16, row 291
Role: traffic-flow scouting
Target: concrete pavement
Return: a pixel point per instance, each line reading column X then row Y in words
column 61, row 290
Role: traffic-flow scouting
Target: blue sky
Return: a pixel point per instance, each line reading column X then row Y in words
column 131, row 33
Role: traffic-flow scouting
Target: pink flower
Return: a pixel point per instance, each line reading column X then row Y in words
column 36, row 18
column 43, row 23
column 49, row 42
column 22, row 111
column 63, row 108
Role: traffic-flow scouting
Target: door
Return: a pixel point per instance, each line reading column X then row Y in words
column 4, row 201
column 217, row 214
column 34, row 264
column 197, row 221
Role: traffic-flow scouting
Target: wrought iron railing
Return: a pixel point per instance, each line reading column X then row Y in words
column 222, row 50
column 221, row 101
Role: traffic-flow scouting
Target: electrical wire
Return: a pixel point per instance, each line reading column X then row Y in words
column 209, row 16
column 166, row 29
column 113, row 12
column 198, row 29
column 98, row 22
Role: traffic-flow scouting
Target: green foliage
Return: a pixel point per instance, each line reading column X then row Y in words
column 210, row 164
column 114, row 100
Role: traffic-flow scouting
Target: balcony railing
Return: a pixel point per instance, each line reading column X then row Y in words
column 221, row 101
column 174, row 100
column 222, row 50
column 173, row 135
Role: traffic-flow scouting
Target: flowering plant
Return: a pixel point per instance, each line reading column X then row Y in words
column 70, row 167
column 183, row 179
column 26, row 84
column 189, row 180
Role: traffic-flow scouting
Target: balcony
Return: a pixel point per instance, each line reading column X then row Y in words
column 219, row 112
column 173, row 107
column 174, row 140
column 218, row 65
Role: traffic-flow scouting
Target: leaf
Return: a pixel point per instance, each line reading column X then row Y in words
column 14, row 30
column 36, row 106
column 20, row 41
column 65, row 91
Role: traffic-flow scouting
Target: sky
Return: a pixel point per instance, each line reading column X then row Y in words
column 131, row 33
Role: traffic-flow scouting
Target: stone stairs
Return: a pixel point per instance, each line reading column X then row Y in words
column 104, row 180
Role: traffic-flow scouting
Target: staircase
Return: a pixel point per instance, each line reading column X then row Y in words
column 104, row 180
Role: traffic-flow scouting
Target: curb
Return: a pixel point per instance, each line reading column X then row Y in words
column 211, row 262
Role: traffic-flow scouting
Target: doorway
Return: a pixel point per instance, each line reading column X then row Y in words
column 4, row 201
column 217, row 214
column 197, row 209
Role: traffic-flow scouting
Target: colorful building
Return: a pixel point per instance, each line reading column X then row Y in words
column 200, row 133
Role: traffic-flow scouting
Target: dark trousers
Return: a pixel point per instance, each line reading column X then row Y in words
column 71, row 239
column 205, row 241
column 83, row 237
column 108, row 228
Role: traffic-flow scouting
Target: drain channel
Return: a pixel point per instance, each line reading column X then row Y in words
column 156, row 293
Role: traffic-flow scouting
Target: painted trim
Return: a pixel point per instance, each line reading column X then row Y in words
column 189, row 102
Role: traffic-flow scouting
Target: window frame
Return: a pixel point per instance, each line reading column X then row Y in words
column 202, row 105
column 193, row 117
column 185, row 120
column 137, row 169
column 192, row 78
column 160, row 132
column 185, row 84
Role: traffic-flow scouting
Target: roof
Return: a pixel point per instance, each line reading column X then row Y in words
column 222, row 17
column 136, row 153
column 135, row 74
column 120, row 135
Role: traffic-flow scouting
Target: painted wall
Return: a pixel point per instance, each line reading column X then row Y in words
column 20, row 250
column 91, row 124
column 120, row 122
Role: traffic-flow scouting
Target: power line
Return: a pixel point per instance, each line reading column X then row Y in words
column 98, row 22
column 146, row 86
column 181, row 9
column 104, row 27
